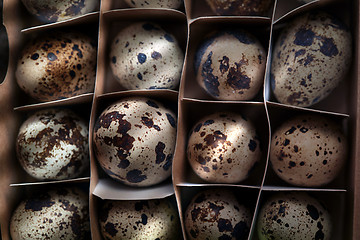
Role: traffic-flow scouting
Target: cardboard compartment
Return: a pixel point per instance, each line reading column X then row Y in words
column 200, row 30
column 122, row 4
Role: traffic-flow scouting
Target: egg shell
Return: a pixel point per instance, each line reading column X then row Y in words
column 52, row 144
column 56, row 214
column 311, row 56
column 174, row 4
column 226, row 74
column 217, row 214
column 145, row 56
column 223, row 148
column 293, row 215
column 134, row 141
column 145, row 219
column 57, row 65
column 239, row 7
column 308, row 150
column 49, row 11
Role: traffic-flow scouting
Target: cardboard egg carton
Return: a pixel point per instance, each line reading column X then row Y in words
column 189, row 24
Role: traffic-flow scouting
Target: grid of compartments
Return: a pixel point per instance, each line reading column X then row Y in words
column 189, row 25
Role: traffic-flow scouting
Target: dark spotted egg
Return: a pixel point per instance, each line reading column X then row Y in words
column 52, row 144
column 308, row 150
column 293, row 215
column 223, row 148
column 217, row 214
column 174, row 4
column 226, row 74
column 134, row 141
column 57, row 65
column 139, row 219
column 311, row 56
column 56, row 214
column 239, row 7
column 145, row 56
column 49, row 11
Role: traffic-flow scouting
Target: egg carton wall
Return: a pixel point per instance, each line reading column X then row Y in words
column 190, row 24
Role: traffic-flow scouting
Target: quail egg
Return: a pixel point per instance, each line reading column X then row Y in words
column 145, row 56
column 142, row 219
column 311, row 56
column 293, row 215
column 239, row 7
column 226, row 74
column 217, row 214
column 223, row 148
column 49, row 11
column 56, row 65
column 56, row 214
column 308, row 150
column 134, row 141
column 52, row 144
column 174, row 4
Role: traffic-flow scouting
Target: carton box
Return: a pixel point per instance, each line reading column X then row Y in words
column 189, row 24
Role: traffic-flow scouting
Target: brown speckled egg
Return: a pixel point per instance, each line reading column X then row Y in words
column 134, row 141
column 308, row 150
column 58, row 10
column 174, row 4
column 239, row 7
column 142, row 219
column 217, row 214
column 56, row 214
column 52, row 144
column 57, row 65
column 226, row 74
column 311, row 56
column 145, row 56
column 293, row 215
column 223, row 148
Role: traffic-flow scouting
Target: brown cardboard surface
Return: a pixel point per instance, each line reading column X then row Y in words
column 342, row 196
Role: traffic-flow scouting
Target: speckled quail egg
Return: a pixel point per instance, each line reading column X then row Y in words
column 226, row 74
column 174, row 4
column 311, row 56
column 58, row 10
column 56, row 214
column 293, row 215
column 239, row 7
column 217, row 214
column 142, row 219
column 56, row 65
column 308, row 150
column 223, row 148
column 52, row 144
column 134, row 141
column 145, row 56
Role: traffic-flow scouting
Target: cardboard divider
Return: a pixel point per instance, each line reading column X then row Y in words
column 202, row 28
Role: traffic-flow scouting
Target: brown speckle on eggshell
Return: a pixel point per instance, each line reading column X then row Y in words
column 57, row 65
column 134, row 141
column 173, row 4
column 311, row 56
column 56, row 214
column 58, row 10
column 52, row 144
column 223, row 148
column 239, row 7
column 308, row 150
column 293, row 215
column 217, row 214
column 226, row 74
column 139, row 219
column 145, row 56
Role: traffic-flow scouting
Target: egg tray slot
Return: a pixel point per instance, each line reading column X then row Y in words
column 190, row 23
